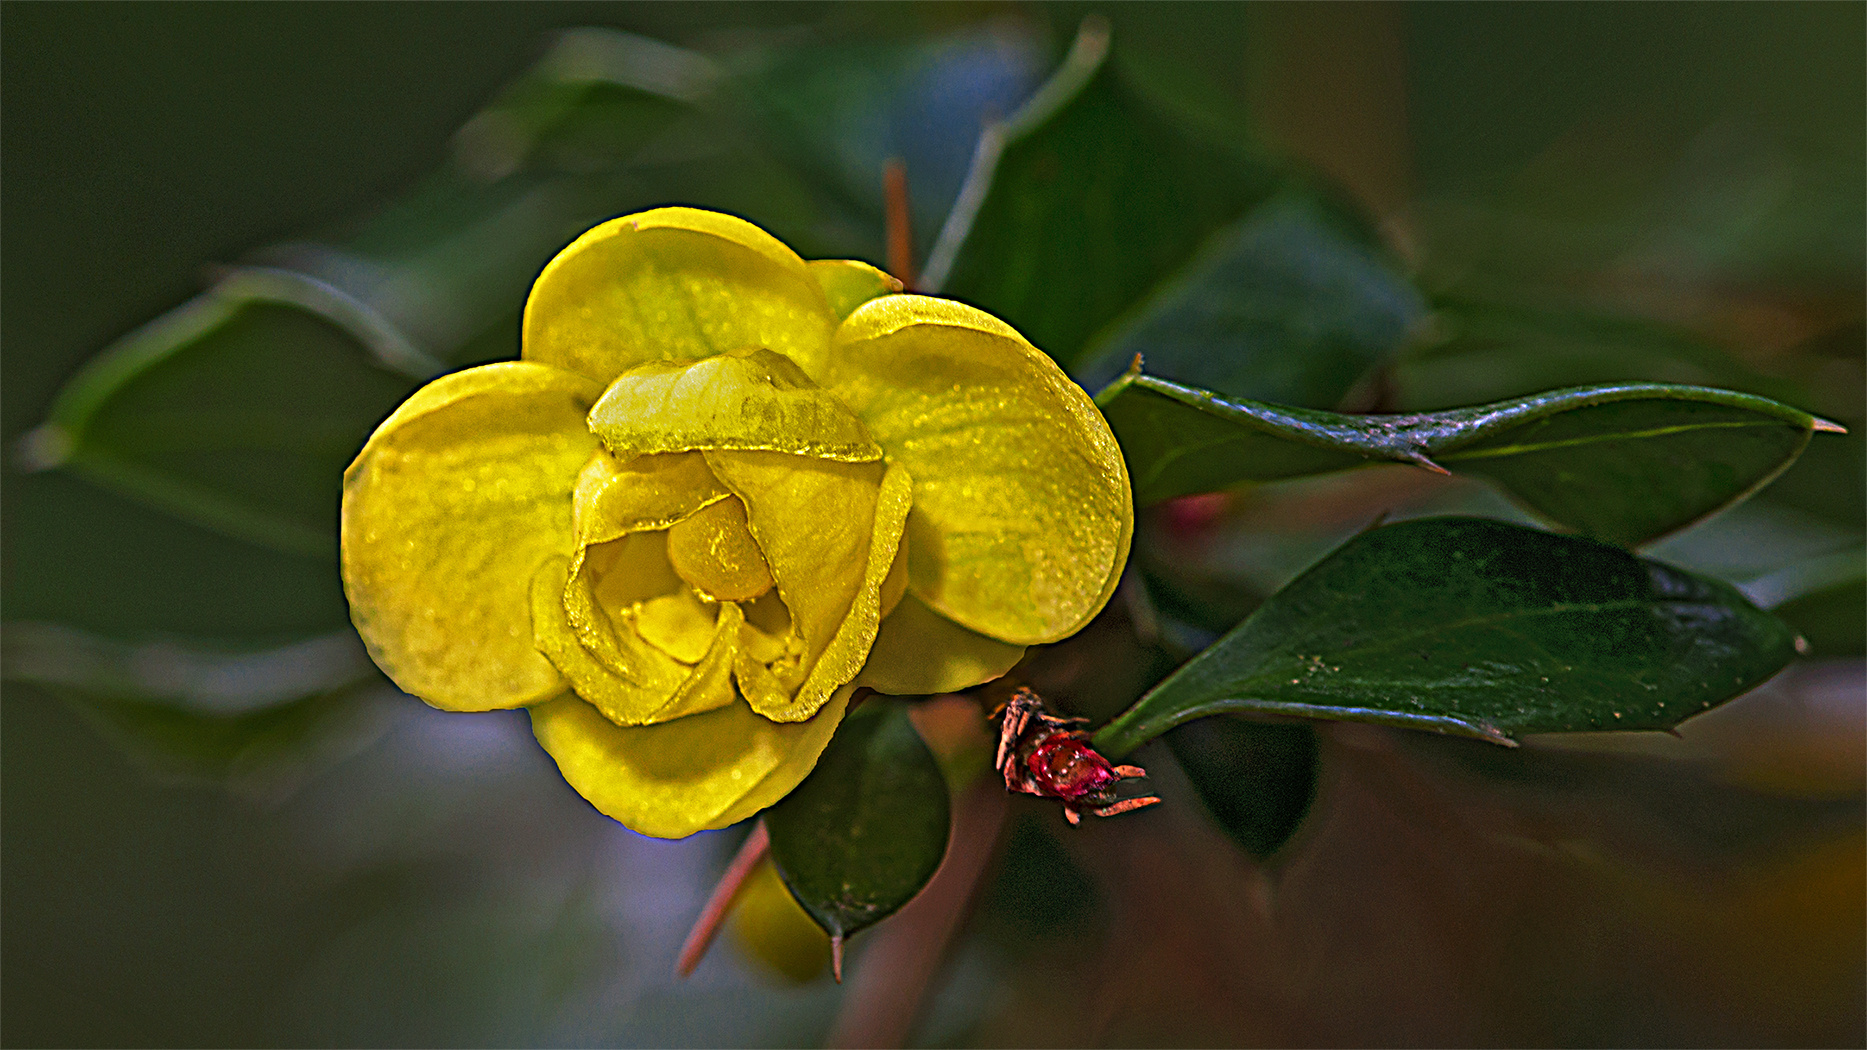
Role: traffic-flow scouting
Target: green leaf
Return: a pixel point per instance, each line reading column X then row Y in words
column 251, row 719
column 238, row 411
column 1257, row 779
column 866, row 830
column 1289, row 305
column 1622, row 463
column 1476, row 628
column 1080, row 204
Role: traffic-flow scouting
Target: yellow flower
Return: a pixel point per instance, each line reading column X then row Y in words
column 722, row 489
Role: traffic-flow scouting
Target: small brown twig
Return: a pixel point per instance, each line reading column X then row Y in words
column 707, row 926
column 900, row 222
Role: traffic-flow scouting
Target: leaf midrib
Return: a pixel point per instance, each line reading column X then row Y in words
column 1596, row 439
column 1395, row 641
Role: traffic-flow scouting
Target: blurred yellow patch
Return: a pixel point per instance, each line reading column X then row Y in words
column 772, row 929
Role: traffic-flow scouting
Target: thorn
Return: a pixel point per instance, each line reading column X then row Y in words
column 1130, row 771
column 836, row 957
column 900, row 221
column 1673, row 731
column 1827, row 427
column 1419, row 459
column 1127, row 805
column 707, row 926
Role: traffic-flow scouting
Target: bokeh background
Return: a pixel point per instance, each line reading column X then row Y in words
column 423, row 879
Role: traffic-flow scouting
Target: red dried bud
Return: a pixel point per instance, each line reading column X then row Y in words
column 1041, row 754
column 1070, row 769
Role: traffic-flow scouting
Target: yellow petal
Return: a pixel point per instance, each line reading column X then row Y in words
column 616, row 496
column 637, row 570
column 743, row 399
column 628, row 690
column 673, row 284
column 452, row 504
column 848, row 283
column 895, row 584
column 918, row 652
column 829, row 531
column 678, row 624
column 715, row 552
column 1022, row 513
column 671, row 780
column 709, row 686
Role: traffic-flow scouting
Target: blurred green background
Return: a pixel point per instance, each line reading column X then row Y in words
column 430, row 880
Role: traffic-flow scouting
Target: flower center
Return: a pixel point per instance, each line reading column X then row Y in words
column 715, row 552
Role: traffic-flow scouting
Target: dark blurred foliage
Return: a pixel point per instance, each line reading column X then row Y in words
column 429, row 879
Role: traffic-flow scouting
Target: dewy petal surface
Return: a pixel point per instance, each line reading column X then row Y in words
column 615, row 496
column 629, row 683
column 453, row 503
column 918, row 651
column 829, row 532
column 745, row 399
column 691, row 774
column 1022, row 512
column 673, row 284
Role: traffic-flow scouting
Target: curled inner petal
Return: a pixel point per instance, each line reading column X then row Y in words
column 715, row 552
column 617, row 495
column 749, row 399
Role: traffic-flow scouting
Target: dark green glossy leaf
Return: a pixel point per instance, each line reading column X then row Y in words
column 866, row 830
column 1257, row 779
column 1477, row 628
column 238, row 411
column 1287, row 305
column 1081, row 203
column 255, row 719
column 1621, row 463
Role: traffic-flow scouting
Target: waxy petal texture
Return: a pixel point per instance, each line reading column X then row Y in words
column 1022, row 514
column 829, row 531
column 749, row 400
column 674, row 284
column 691, row 774
column 618, row 496
column 449, row 509
column 919, row 652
